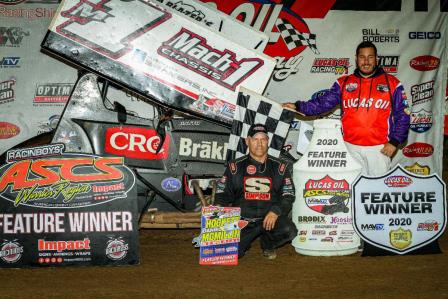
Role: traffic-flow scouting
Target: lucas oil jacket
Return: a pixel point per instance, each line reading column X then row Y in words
column 257, row 187
column 374, row 109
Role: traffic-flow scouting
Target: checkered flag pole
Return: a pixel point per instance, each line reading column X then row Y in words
column 253, row 108
column 294, row 38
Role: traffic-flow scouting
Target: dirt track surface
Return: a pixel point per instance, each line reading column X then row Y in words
column 169, row 269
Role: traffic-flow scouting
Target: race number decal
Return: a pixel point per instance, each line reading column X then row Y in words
column 88, row 17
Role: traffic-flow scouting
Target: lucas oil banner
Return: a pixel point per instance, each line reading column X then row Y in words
column 158, row 53
column 220, row 235
column 399, row 212
column 66, row 209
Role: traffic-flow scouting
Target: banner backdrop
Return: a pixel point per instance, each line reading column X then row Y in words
column 313, row 43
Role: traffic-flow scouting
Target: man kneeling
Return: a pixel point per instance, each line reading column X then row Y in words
column 262, row 186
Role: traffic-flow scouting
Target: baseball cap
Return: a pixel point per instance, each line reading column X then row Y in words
column 257, row 128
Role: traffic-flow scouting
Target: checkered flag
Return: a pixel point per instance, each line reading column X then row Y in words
column 253, row 108
column 294, row 38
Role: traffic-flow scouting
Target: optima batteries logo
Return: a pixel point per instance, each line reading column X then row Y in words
column 389, row 63
column 52, row 93
column 337, row 66
column 192, row 51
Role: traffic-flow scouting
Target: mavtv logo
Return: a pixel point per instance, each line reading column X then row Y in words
column 9, row 62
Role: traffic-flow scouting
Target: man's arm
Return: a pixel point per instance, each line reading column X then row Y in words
column 401, row 118
column 225, row 195
column 319, row 105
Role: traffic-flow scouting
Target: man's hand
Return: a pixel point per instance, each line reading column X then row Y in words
column 269, row 220
column 291, row 106
column 389, row 149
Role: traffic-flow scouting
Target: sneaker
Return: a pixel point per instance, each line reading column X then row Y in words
column 270, row 254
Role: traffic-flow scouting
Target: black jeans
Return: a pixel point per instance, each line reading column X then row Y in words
column 283, row 232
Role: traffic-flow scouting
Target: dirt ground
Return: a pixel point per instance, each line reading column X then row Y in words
column 169, row 269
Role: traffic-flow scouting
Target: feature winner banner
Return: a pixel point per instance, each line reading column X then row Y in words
column 400, row 211
column 158, row 53
column 67, row 209
column 220, row 235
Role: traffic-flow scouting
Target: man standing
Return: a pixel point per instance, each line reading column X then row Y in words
column 375, row 113
column 262, row 186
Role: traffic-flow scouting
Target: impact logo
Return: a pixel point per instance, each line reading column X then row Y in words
column 389, row 63
column 424, row 63
column 50, row 93
column 88, row 17
column 8, row 130
column 288, row 33
column 62, row 181
column 327, row 196
column 193, row 52
column 7, row 93
column 116, row 249
column 136, row 143
column 11, row 251
column 422, row 93
column 12, row 36
column 421, row 121
column 418, row 150
column 337, row 66
column 10, row 62
column 397, row 181
column 376, row 35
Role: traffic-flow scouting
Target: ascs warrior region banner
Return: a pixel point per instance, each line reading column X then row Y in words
column 69, row 209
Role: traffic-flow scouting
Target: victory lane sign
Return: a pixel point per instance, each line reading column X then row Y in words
column 399, row 211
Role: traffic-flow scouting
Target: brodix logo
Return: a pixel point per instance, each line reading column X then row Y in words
column 136, row 143
column 62, row 182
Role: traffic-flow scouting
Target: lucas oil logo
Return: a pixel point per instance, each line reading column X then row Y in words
column 327, row 196
column 193, row 52
column 421, row 121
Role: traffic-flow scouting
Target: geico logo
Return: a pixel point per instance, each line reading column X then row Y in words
column 203, row 149
column 424, row 35
column 261, row 185
column 135, row 142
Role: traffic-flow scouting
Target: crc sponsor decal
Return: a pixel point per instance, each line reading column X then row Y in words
column 422, row 93
column 429, row 225
column 188, row 10
column 257, row 188
column 34, row 152
column 288, row 32
column 27, row 13
column 7, row 93
column 425, row 35
column 171, row 184
column 424, row 63
column 418, row 169
column 375, row 35
column 398, row 181
column 337, row 66
column 10, row 62
column 101, row 14
column 49, row 93
column 8, row 130
column 392, row 216
column 136, row 143
column 116, row 249
column 11, row 251
column 12, row 36
column 63, row 181
column 377, row 226
column 400, row 238
column 421, row 121
column 192, row 51
column 327, row 196
column 211, row 150
column 418, row 149
column 389, row 63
